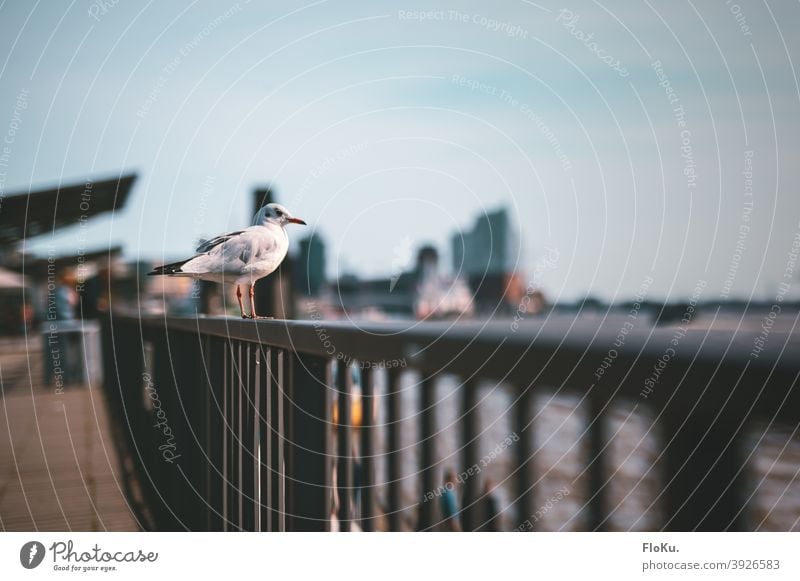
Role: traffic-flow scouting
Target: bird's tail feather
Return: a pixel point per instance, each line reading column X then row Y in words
column 167, row 269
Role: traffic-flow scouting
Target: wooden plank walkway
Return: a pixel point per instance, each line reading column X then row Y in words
column 58, row 465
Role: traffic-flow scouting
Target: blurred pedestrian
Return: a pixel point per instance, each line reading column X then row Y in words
column 490, row 508
column 451, row 520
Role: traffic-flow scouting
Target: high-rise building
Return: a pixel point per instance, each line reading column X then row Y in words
column 486, row 257
column 487, row 248
column 309, row 268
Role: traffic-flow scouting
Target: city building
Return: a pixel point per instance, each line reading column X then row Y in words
column 309, row 268
column 486, row 256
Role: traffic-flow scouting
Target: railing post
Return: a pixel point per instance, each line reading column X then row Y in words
column 597, row 432
column 368, row 434
column 344, row 441
column 266, row 451
column 523, row 482
column 703, row 471
column 393, row 451
column 470, row 519
column 249, row 442
column 278, row 438
column 216, row 361
column 427, row 456
column 226, row 436
column 232, row 440
column 310, row 401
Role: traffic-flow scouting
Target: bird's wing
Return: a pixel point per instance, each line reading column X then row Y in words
column 239, row 253
column 216, row 241
column 248, row 246
column 252, row 245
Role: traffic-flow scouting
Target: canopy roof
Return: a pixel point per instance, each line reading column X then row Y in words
column 27, row 214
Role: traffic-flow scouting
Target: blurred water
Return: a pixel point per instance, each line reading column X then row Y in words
column 560, row 457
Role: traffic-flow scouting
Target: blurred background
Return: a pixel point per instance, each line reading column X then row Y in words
column 458, row 162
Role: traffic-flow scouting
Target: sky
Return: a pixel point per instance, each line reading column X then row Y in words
column 641, row 148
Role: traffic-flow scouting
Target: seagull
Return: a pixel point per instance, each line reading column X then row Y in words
column 242, row 257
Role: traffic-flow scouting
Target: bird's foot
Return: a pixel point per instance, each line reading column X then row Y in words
column 247, row 316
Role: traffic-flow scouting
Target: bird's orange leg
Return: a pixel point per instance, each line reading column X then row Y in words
column 239, row 298
column 253, row 304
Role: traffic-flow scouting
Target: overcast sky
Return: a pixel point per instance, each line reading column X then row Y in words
column 617, row 133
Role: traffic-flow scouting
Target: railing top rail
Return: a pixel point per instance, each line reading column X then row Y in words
column 498, row 350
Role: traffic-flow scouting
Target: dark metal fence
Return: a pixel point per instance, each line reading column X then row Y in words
column 243, row 425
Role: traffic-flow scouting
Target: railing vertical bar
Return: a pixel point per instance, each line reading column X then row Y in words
column 469, row 454
column 240, row 397
column 206, row 435
column 216, row 445
column 233, row 484
column 367, row 449
column 597, row 473
column 266, row 441
column 427, row 456
column 280, row 503
column 344, row 439
column 225, row 435
column 523, row 482
column 249, row 433
column 393, row 450
column 275, row 394
column 256, row 437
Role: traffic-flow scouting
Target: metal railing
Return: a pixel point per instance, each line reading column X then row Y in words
column 243, row 425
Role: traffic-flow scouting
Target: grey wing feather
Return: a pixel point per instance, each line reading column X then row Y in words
column 245, row 254
column 209, row 244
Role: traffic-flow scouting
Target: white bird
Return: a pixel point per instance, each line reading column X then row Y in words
column 241, row 257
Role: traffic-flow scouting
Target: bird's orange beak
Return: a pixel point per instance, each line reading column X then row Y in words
column 296, row 221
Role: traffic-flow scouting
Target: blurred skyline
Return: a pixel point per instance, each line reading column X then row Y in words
column 617, row 134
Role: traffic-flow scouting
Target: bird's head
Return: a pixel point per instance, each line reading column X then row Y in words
column 275, row 214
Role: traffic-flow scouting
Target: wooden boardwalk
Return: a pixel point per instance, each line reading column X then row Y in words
column 58, row 465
